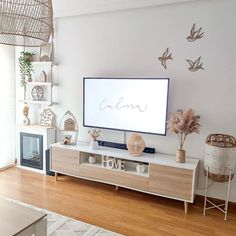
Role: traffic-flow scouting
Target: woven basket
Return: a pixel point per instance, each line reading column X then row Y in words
column 26, row 22
column 220, row 157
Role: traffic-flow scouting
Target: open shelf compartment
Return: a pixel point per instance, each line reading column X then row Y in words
column 114, row 164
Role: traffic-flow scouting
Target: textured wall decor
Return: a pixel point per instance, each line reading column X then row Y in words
column 195, row 65
column 165, row 57
column 195, row 34
column 47, row 117
column 37, row 93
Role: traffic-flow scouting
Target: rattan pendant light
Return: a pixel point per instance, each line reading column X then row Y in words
column 26, row 23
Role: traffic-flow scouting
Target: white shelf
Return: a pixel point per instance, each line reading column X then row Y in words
column 39, row 83
column 127, row 170
column 48, row 103
column 42, row 63
column 34, row 127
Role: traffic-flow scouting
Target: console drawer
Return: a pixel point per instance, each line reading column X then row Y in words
column 65, row 161
column 114, row 177
column 171, row 181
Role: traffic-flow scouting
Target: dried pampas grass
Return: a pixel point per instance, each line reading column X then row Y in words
column 183, row 123
column 95, row 133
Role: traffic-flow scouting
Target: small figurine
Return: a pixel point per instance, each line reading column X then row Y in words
column 67, row 140
column 26, row 120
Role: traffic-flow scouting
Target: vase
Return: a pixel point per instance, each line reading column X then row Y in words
column 26, row 120
column 136, row 145
column 140, row 168
column 92, row 159
column 93, row 145
column 180, row 156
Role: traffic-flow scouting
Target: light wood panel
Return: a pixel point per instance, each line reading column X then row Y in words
column 125, row 211
column 65, row 161
column 171, row 181
column 115, row 177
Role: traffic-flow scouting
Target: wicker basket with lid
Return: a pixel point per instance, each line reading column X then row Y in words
column 220, row 157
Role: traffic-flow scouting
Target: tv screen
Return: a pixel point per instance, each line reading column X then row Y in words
column 127, row 104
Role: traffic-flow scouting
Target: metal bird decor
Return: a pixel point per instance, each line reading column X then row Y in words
column 196, row 65
column 165, row 57
column 195, row 34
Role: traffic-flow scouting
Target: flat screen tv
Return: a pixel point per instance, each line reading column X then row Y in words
column 127, row 104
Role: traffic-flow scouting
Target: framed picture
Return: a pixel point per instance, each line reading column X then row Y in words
column 46, row 52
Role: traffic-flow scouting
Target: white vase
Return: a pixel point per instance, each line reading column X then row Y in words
column 93, row 145
column 92, row 159
column 140, row 168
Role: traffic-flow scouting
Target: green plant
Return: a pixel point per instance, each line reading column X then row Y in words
column 26, row 67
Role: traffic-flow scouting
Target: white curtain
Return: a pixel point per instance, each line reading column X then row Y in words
column 7, row 106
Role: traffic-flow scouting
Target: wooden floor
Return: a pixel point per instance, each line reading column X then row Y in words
column 126, row 212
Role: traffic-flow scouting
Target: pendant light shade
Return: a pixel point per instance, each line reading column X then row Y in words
column 26, row 23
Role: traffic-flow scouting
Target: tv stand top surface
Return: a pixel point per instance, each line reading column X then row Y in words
column 157, row 158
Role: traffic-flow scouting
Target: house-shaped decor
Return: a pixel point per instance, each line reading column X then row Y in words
column 69, row 124
column 68, row 129
column 47, row 118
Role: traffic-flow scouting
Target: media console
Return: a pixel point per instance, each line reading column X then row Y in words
column 160, row 174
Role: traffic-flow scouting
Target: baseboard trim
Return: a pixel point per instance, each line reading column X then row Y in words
column 7, row 167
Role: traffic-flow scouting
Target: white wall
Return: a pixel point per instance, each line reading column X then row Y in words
column 64, row 8
column 7, row 106
column 128, row 44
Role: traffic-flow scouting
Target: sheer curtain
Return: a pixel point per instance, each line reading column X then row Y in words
column 7, row 106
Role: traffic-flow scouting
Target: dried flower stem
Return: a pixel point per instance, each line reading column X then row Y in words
column 183, row 123
column 95, row 133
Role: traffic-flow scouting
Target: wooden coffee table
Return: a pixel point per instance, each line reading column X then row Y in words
column 21, row 221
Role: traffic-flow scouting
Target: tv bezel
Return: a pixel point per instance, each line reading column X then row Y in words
column 124, row 130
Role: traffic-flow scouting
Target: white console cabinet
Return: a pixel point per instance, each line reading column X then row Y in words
column 162, row 176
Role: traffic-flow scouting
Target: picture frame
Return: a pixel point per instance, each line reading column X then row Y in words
column 45, row 52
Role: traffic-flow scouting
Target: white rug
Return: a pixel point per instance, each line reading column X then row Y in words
column 59, row 225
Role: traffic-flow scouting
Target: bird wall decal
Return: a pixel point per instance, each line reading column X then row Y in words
column 195, row 65
column 165, row 57
column 195, row 34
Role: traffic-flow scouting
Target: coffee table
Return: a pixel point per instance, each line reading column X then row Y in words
column 17, row 220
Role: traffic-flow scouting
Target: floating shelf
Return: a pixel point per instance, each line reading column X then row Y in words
column 42, row 63
column 40, row 83
column 48, row 103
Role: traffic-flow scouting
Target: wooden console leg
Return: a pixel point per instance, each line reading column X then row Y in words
column 55, row 176
column 117, row 188
column 186, row 207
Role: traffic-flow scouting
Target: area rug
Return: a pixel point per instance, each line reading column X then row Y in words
column 59, row 225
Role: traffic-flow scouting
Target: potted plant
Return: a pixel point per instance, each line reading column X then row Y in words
column 183, row 123
column 26, row 68
column 94, row 133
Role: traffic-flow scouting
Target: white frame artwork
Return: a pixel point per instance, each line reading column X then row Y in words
column 46, row 52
